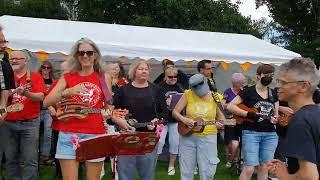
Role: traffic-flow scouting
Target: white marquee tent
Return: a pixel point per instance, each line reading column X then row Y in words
column 52, row 36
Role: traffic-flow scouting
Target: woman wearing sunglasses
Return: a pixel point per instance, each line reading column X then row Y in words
column 169, row 88
column 46, row 71
column 81, row 85
column 198, row 148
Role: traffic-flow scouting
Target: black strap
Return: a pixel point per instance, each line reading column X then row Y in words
column 2, row 82
column 153, row 99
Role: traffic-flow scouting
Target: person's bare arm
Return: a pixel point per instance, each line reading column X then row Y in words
column 232, row 107
column 176, row 113
column 307, row 171
column 33, row 96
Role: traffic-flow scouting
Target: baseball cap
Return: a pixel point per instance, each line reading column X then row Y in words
column 198, row 84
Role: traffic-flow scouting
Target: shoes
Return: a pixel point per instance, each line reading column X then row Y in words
column 195, row 172
column 171, row 171
column 228, row 165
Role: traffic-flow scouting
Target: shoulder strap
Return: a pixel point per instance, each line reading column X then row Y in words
column 151, row 90
column 28, row 79
column 270, row 95
column 2, row 82
column 218, row 102
column 104, row 88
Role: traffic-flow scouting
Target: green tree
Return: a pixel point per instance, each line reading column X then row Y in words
column 205, row 15
column 298, row 23
column 51, row 9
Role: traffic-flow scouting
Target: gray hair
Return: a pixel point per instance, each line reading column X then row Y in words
column 236, row 77
column 1, row 28
column 305, row 69
column 134, row 66
column 74, row 59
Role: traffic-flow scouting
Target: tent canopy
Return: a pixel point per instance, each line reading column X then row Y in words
column 52, row 36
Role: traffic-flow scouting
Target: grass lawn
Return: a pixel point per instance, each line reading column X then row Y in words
column 48, row 172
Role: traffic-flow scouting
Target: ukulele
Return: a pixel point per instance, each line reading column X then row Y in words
column 134, row 123
column 241, row 119
column 12, row 108
column 199, row 125
column 69, row 108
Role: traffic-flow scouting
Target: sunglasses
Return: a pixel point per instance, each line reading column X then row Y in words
column 171, row 77
column 197, row 85
column 45, row 67
column 88, row 53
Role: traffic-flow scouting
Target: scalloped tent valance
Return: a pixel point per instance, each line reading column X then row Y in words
column 50, row 36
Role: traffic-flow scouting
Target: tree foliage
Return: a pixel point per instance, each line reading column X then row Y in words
column 299, row 24
column 204, row 15
column 33, row 8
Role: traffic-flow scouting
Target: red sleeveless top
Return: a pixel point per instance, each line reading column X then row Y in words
column 93, row 123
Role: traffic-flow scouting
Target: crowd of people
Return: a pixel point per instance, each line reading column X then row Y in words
column 33, row 129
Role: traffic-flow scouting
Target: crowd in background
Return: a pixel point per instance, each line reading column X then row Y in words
column 33, row 131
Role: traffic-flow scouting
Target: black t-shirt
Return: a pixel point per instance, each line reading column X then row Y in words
column 142, row 103
column 48, row 82
column 183, row 79
column 303, row 137
column 252, row 99
column 166, row 88
column 8, row 76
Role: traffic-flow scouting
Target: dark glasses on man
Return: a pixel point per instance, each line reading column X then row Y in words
column 197, row 85
column 171, row 77
column 45, row 67
column 88, row 53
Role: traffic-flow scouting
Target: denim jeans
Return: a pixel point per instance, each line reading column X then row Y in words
column 144, row 164
column 172, row 129
column 258, row 147
column 46, row 135
column 198, row 150
column 22, row 148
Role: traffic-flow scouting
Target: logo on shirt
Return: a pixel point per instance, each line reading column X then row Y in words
column 16, row 98
column 265, row 108
column 92, row 96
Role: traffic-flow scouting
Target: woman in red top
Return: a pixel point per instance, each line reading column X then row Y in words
column 82, row 85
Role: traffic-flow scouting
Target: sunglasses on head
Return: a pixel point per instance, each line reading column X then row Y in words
column 197, row 85
column 45, row 67
column 88, row 53
column 171, row 77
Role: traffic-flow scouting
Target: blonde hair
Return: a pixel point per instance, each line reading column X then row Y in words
column 74, row 59
column 134, row 66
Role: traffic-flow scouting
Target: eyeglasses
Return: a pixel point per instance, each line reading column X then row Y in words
column 4, row 42
column 16, row 59
column 88, row 53
column 197, row 85
column 282, row 82
column 171, row 77
column 45, row 67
